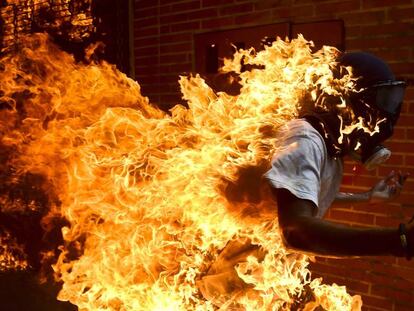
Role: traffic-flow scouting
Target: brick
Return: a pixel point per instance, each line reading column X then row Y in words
column 174, row 58
column 403, row 68
column 406, row 120
column 409, row 91
column 217, row 23
column 387, row 221
column 191, row 26
column 147, row 70
column 144, row 12
column 192, row 5
column 175, row 37
column 406, row 266
column 206, row 13
column 381, row 42
column 271, row 4
column 406, row 147
column 187, row 16
column 369, row 4
column 365, row 263
column 324, row 268
column 404, row 307
column 206, row 3
column 144, row 3
column 394, row 54
column 170, row 100
column 408, row 211
column 263, row 17
column 406, row 198
column 174, row 18
column 145, row 42
column 164, row 2
column 147, row 32
column 380, row 209
column 176, row 68
column 153, row 88
column 388, row 28
column 353, row 31
column 363, row 18
column 354, row 217
column 347, row 180
column 365, row 181
column 147, row 79
column 293, row 11
column 145, row 22
column 340, row 6
column 147, row 60
column 165, row 29
column 409, row 160
column 401, row 14
column 173, row 48
column 385, row 291
column 399, row 131
column 395, row 160
column 141, row 51
column 410, row 133
column 236, row 9
column 382, row 302
column 168, row 79
column 350, row 284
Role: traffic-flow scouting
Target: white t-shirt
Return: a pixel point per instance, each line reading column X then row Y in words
column 302, row 165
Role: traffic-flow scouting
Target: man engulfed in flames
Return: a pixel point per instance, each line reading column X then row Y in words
column 306, row 173
column 168, row 211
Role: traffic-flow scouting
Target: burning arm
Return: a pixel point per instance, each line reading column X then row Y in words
column 304, row 232
column 305, row 181
column 387, row 189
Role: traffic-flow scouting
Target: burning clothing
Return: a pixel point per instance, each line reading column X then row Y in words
column 304, row 167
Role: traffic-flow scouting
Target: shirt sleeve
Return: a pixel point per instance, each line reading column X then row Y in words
column 297, row 167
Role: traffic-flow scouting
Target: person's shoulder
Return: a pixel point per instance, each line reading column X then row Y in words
column 300, row 127
column 301, row 131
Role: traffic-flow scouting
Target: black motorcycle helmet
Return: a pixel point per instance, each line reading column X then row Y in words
column 377, row 99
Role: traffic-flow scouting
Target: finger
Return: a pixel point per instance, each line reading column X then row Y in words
column 404, row 177
column 390, row 176
column 392, row 190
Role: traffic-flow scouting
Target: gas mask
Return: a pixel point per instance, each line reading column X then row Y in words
column 385, row 97
column 378, row 100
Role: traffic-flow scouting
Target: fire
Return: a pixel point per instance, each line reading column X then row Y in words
column 19, row 16
column 12, row 255
column 151, row 198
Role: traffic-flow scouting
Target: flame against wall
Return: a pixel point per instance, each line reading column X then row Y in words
column 151, row 198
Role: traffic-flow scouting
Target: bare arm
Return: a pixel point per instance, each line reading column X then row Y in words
column 353, row 197
column 302, row 231
column 387, row 189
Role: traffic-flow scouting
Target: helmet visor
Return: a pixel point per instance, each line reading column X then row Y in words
column 390, row 95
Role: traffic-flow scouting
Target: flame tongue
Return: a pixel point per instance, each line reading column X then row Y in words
column 144, row 191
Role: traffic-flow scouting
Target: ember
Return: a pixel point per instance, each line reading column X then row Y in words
column 145, row 193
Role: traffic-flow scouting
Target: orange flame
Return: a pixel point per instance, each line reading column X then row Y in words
column 12, row 255
column 142, row 190
column 19, row 15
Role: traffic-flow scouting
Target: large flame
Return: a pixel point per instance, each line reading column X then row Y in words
column 62, row 17
column 151, row 198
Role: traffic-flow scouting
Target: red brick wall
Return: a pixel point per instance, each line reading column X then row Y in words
column 164, row 48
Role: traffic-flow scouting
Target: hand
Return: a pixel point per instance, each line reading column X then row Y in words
column 388, row 189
